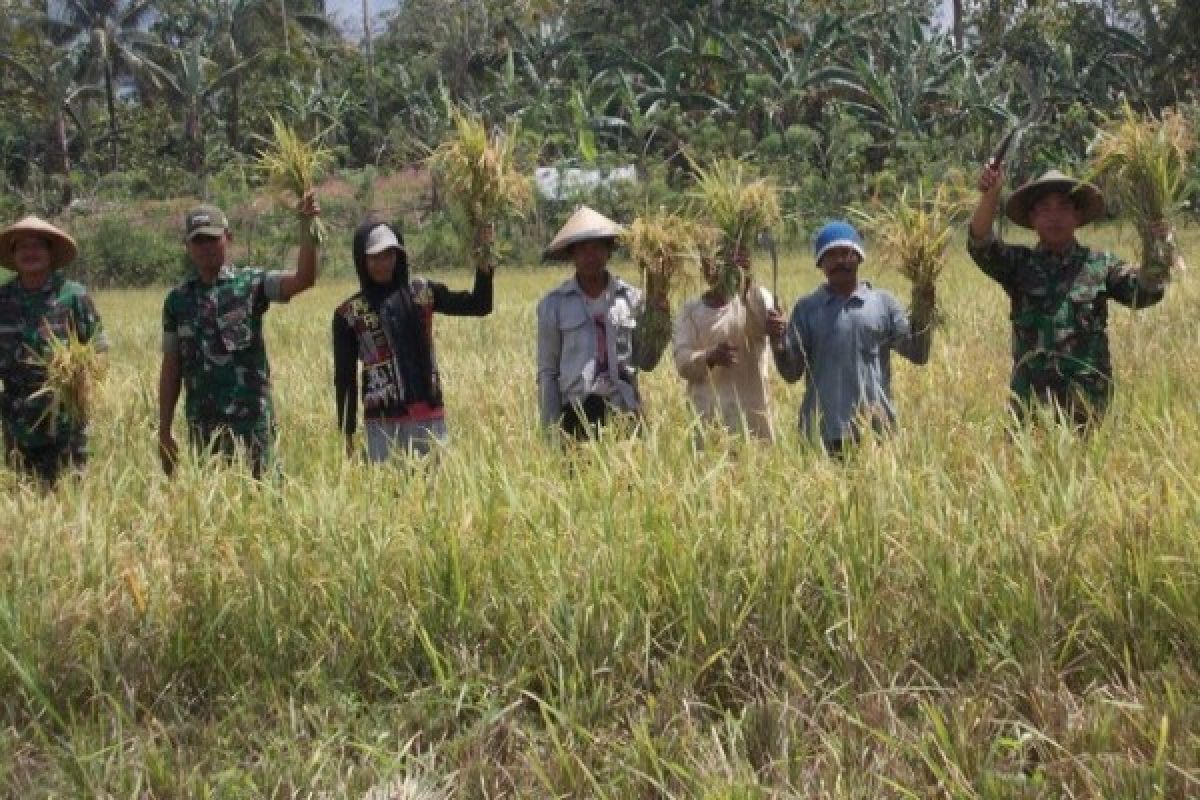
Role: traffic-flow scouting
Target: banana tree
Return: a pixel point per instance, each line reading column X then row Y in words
column 191, row 79
column 51, row 79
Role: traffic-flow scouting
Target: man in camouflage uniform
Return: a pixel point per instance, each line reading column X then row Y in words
column 38, row 304
column 213, row 342
column 1059, row 292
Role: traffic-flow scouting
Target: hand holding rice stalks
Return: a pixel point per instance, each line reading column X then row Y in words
column 741, row 207
column 482, row 180
column 72, row 369
column 1143, row 163
column 294, row 165
column 913, row 231
column 662, row 245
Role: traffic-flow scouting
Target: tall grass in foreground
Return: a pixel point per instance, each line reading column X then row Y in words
column 951, row 613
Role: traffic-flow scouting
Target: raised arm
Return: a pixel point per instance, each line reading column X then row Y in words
column 475, row 303
column 996, row 260
column 649, row 345
column 305, row 274
column 911, row 340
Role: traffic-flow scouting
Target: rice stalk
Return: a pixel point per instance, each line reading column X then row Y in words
column 741, row 207
column 1143, row 164
column 481, row 178
column 913, row 232
column 293, row 164
column 72, row 369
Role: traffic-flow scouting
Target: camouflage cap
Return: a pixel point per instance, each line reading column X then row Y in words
column 204, row 221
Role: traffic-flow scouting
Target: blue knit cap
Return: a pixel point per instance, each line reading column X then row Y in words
column 838, row 233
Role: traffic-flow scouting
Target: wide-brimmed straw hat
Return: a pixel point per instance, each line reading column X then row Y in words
column 584, row 225
column 1087, row 197
column 62, row 246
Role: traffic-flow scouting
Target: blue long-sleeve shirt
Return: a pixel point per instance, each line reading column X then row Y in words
column 842, row 348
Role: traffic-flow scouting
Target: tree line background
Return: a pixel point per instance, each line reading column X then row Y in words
column 843, row 101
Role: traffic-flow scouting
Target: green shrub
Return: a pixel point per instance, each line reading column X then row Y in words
column 114, row 252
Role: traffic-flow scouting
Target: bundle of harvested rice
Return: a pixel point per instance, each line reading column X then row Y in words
column 72, row 369
column 294, row 165
column 741, row 207
column 913, row 232
column 481, row 178
column 1143, row 164
column 662, row 246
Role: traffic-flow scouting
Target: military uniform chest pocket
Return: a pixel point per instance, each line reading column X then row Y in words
column 1085, row 306
column 233, row 327
column 56, row 322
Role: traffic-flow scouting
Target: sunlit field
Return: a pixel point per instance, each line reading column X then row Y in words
column 957, row 611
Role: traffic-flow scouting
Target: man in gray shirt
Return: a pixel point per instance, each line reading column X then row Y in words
column 840, row 339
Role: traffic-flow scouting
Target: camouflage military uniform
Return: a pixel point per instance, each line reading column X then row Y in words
column 1060, row 320
column 27, row 320
column 217, row 331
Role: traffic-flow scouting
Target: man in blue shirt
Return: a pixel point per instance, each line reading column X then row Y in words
column 840, row 339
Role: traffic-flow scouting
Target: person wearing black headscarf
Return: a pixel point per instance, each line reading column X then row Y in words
column 388, row 327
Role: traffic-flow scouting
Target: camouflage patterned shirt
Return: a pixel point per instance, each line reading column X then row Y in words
column 217, row 330
column 1059, row 313
column 28, row 318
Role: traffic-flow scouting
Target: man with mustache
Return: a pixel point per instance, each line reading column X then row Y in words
column 840, row 340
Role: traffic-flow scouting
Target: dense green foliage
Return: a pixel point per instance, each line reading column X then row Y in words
column 843, row 101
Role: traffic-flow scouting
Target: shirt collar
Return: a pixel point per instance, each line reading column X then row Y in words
column 860, row 293
column 615, row 287
column 224, row 274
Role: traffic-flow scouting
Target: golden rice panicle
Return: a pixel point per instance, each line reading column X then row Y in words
column 72, row 369
column 741, row 207
column 913, row 232
column 1143, row 164
column 293, row 164
column 481, row 176
column 738, row 204
column 663, row 245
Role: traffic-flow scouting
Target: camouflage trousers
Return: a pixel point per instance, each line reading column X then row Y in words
column 256, row 447
column 1082, row 408
column 49, row 462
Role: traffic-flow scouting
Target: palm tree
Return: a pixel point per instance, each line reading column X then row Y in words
column 110, row 36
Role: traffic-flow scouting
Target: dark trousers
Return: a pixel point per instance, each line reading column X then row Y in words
column 257, row 447
column 584, row 420
column 47, row 464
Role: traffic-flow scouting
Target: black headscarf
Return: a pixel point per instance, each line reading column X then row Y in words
column 400, row 316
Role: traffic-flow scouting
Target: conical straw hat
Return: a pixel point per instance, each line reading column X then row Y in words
column 1088, row 198
column 584, row 225
column 62, row 246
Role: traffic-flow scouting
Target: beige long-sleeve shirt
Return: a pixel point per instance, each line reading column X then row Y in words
column 737, row 396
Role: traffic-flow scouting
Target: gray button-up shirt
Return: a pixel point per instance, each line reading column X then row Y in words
column 567, row 347
column 842, row 347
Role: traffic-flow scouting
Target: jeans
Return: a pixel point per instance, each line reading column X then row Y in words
column 386, row 438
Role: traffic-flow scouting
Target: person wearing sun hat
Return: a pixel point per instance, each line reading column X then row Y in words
column 212, row 341
column 38, row 303
column 388, row 327
column 1058, row 292
column 840, row 339
column 590, row 345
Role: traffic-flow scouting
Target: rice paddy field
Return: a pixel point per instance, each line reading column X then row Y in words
column 955, row 612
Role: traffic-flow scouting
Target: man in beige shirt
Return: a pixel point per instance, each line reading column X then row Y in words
column 721, row 346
